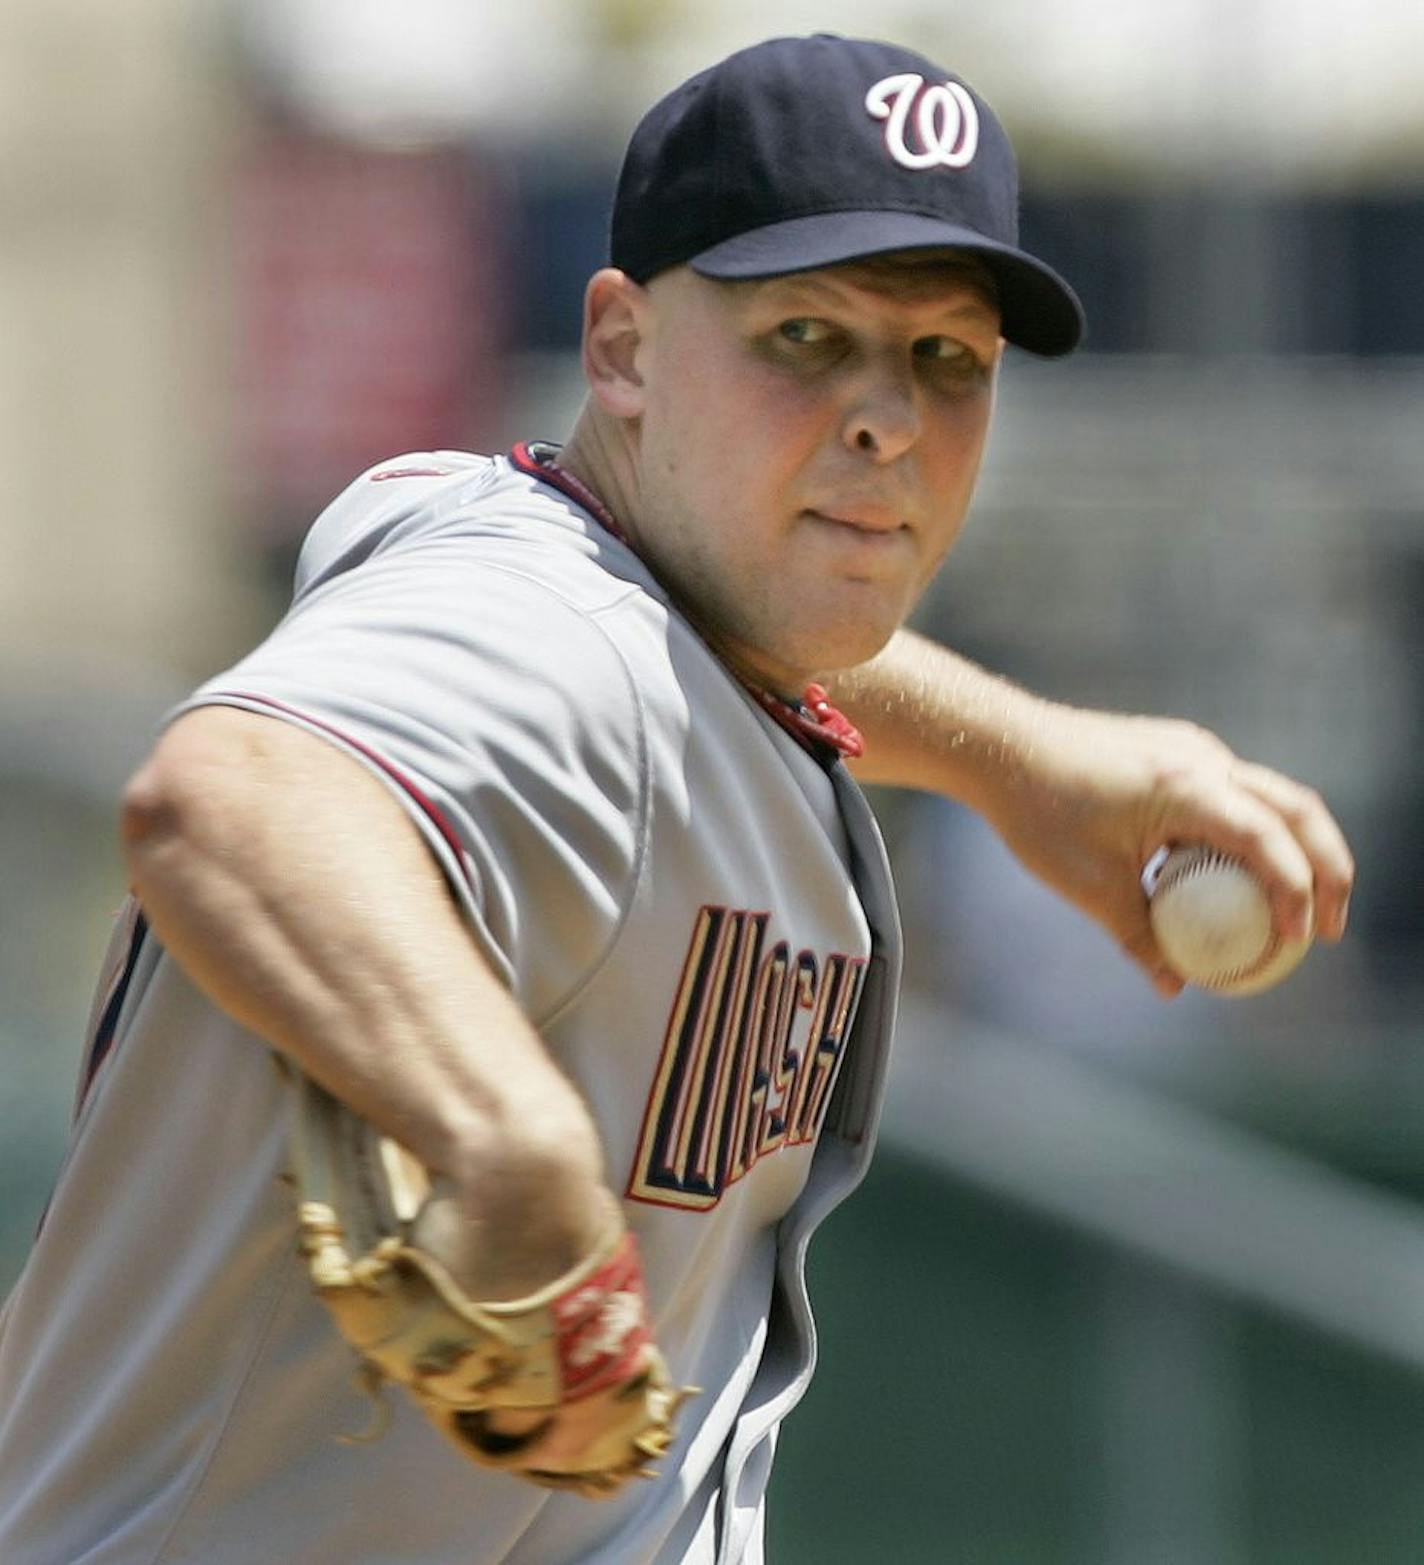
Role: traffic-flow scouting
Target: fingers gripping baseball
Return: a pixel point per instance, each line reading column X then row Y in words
column 1331, row 865
column 1280, row 829
column 1103, row 792
column 1211, row 802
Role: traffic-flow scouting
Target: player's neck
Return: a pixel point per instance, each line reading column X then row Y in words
column 600, row 464
column 603, row 464
column 601, row 467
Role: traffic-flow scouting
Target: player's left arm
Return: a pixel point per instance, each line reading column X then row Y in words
column 1084, row 798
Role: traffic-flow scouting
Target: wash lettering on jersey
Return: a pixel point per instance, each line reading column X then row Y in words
column 753, row 1042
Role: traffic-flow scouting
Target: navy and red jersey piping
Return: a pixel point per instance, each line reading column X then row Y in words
column 108, row 1024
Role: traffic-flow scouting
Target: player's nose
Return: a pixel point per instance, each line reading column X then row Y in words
column 883, row 418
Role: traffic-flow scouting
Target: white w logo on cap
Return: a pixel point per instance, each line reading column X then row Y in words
column 946, row 121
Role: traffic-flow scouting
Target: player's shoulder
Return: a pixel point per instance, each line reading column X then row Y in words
column 471, row 514
column 487, row 557
column 403, row 496
column 490, row 558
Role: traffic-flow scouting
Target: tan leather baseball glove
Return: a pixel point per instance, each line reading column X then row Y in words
column 564, row 1388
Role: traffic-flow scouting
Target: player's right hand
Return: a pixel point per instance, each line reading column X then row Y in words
column 1095, row 794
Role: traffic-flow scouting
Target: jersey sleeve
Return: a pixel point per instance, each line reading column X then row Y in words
column 502, row 716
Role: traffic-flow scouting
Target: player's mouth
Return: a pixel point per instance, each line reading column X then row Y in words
column 870, row 524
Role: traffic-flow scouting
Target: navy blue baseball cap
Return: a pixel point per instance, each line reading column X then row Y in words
column 805, row 152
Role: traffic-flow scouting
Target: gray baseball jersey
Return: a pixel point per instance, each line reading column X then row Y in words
column 689, row 898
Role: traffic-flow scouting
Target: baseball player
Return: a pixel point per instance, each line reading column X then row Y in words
column 526, row 846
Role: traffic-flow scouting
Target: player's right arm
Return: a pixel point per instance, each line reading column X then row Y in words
column 1084, row 797
column 298, row 894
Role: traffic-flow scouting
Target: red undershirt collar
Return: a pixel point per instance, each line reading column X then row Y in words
column 812, row 720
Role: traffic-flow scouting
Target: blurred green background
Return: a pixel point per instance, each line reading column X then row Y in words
column 1131, row 1283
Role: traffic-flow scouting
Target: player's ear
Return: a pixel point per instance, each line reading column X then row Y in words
column 616, row 312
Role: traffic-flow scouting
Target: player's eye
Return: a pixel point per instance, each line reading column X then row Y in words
column 951, row 362
column 805, row 330
column 946, row 350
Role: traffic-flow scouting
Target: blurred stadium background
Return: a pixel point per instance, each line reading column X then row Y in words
column 1131, row 1284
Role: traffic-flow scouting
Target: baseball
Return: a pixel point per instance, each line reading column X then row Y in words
column 1212, row 921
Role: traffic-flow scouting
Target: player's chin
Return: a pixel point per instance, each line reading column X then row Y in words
column 850, row 639
column 866, row 615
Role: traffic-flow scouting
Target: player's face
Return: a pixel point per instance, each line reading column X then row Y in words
column 807, row 450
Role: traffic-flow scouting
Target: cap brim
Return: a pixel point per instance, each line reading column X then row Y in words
column 1039, row 311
